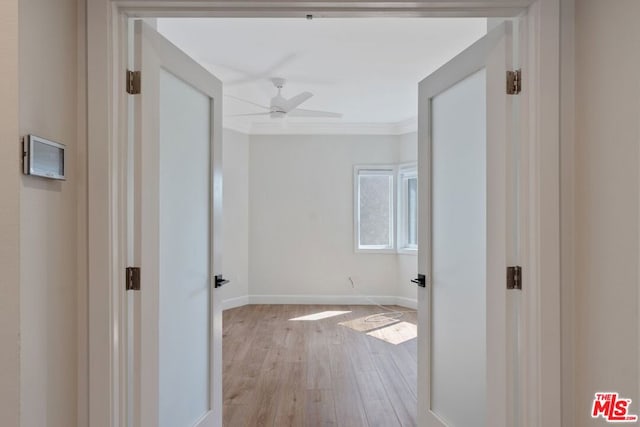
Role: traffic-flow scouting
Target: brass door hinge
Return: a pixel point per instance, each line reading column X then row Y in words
column 514, row 82
column 132, row 278
column 514, row 277
column 133, row 82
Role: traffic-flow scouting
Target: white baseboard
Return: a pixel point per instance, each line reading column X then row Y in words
column 319, row 300
column 407, row 302
column 235, row 302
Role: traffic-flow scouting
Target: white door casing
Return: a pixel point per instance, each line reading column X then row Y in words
column 178, row 203
column 464, row 124
column 101, row 376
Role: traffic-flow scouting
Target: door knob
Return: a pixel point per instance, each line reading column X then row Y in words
column 219, row 281
column 421, row 280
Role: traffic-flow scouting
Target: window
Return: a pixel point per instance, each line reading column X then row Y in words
column 374, row 202
column 375, row 209
column 408, row 208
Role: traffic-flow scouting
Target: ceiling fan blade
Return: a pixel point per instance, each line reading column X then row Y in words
column 252, row 77
column 299, row 112
column 264, row 107
column 249, row 79
column 249, row 114
column 296, row 100
column 281, row 63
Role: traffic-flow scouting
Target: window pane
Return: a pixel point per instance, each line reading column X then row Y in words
column 375, row 210
column 412, row 211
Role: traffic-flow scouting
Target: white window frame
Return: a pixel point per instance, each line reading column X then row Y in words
column 405, row 172
column 386, row 170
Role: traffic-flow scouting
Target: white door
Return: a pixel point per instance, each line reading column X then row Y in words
column 178, row 131
column 464, row 127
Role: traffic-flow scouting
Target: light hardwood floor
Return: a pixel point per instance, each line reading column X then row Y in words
column 281, row 372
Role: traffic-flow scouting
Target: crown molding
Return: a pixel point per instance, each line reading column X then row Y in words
column 279, row 127
column 237, row 125
column 406, row 126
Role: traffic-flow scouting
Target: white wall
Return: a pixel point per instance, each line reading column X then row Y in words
column 9, row 217
column 606, row 210
column 301, row 217
column 407, row 264
column 236, row 217
column 48, row 230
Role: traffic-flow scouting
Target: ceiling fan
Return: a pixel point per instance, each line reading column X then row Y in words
column 280, row 106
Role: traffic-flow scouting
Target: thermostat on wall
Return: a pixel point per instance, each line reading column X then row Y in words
column 42, row 157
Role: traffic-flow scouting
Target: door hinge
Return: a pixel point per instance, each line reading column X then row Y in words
column 514, row 82
column 133, row 82
column 132, row 278
column 514, row 277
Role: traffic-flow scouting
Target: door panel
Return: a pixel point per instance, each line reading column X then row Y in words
column 184, row 301
column 459, row 252
column 463, row 126
column 178, row 336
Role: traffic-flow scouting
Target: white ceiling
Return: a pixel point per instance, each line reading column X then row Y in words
column 366, row 69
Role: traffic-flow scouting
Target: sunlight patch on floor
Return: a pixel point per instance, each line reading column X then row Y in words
column 397, row 333
column 367, row 323
column 321, row 315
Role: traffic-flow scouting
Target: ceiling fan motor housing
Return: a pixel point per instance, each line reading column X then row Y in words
column 277, row 114
column 278, row 82
column 278, row 104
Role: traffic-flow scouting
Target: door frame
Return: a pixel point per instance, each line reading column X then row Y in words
column 103, row 379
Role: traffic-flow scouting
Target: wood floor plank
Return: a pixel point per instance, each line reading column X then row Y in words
column 348, row 403
column 235, row 415
column 290, row 411
column 407, row 366
column 402, row 400
column 319, row 408
column 296, row 365
column 264, row 407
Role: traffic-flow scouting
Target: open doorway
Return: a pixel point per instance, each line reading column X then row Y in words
column 320, row 210
column 107, row 63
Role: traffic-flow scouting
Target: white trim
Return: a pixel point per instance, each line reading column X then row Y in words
column 235, row 302
column 567, row 209
column 82, row 319
column 327, row 9
column 405, row 251
column 407, row 302
column 284, row 127
column 326, row 300
column 237, row 126
column 541, row 297
column 406, row 171
column 103, row 285
column 406, row 126
column 104, row 280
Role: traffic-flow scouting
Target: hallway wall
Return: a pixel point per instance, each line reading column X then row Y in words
column 48, row 86
column 9, row 217
column 606, row 208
